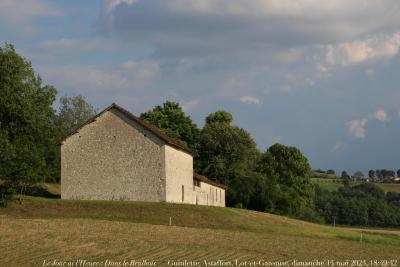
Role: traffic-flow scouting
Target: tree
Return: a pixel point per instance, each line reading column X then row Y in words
column 344, row 175
column 398, row 173
column 172, row 120
column 346, row 178
column 220, row 116
column 228, row 155
column 358, row 175
column 379, row 174
column 290, row 169
column 371, row 174
column 73, row 112
column 331, row 172
column 27, row 130
column 390, row 173
column 363, row 204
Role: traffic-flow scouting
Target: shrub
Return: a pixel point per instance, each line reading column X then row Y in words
column 6, row 194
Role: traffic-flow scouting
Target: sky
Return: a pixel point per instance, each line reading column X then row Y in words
column 319, row 75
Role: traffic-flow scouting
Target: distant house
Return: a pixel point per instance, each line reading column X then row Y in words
column 117, row 156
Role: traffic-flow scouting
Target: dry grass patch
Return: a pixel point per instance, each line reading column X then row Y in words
column 28, row 242
column 42, row 229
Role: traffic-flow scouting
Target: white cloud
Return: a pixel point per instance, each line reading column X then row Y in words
column 190, row 105
column 12, row 11
column 338, row 146
column 111, row 4
column 244, row 36
column 369, row 72
column 381, row 115
column 19, row 19
column 371, row 48
column 250, row 100
column 143, row 71
column 289, row 56
column 77, row 45
column 356, row 128
column 130, row 75
column 321, row 68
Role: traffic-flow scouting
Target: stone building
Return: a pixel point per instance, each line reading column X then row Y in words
column 117, row 156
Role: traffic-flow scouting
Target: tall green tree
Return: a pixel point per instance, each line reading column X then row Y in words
column 172, row 120
column 73, row 112
column 27, row 129
column 228, row 155
column 289, row 173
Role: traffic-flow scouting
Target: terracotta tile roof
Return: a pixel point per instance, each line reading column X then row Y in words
column 157, row 132
column 208, row 181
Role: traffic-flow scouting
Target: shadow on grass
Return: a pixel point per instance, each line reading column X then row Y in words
column 41, row 192
column 367, row 238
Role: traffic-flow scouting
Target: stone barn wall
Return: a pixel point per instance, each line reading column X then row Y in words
column 113, row 158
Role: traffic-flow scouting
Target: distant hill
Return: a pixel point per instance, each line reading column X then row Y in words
column 334, row 184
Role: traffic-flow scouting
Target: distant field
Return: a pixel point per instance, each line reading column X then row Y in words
column 43, row 229
column 390, row 187
column 332, row 185
column 328, row 184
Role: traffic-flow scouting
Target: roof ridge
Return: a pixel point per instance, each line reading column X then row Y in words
column 153, row 129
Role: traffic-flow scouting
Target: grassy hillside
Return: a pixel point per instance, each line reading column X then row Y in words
column 328, row 184
column 390, row 187
column 332, row 185
column 44, row 229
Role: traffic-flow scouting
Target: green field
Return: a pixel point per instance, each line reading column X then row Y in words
column 53, row 229
column 333, row 185
column 390, row 187
column 328, row 184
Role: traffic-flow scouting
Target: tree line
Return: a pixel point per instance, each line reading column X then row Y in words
column 364, row 204
column 30, row 127
column 275, row 180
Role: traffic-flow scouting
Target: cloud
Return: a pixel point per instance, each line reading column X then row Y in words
column 259, row 40
column 289, row 56
column 371, row 48
column 250, row 100
column 190, row 105
column 181, row 26
column 131, row 75
column 369, row 72
column 356, row 128
column 12, row 11
column 92, row 44
column 381, row 115
column 338, row 146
